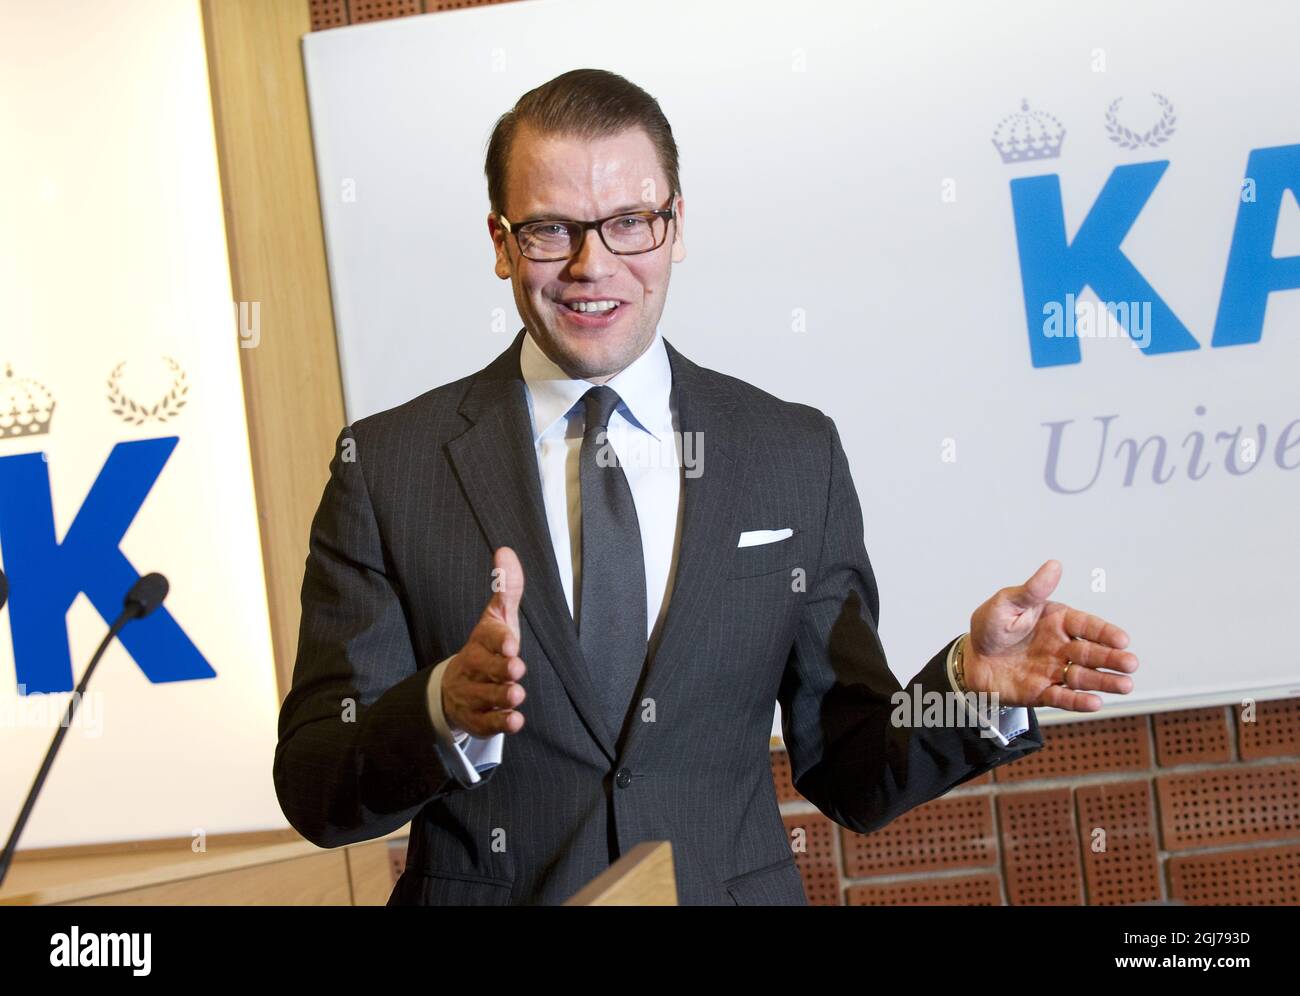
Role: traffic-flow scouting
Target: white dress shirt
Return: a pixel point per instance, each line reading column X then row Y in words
column 642, row 432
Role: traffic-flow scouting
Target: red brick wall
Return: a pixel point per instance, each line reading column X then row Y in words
column 336, row 13
column 1195, row 807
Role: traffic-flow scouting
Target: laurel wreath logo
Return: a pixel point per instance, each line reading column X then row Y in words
column 1157, row 134
column 165, row 409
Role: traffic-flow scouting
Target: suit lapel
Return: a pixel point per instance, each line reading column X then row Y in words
column 496, row 462
column 706, row 417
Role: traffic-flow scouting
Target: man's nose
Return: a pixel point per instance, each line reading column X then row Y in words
column 592, row 260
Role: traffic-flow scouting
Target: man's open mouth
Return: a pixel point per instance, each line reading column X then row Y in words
column 592, row 307
column 592, row 314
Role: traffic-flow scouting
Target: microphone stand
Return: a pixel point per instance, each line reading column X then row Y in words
column 5, row 859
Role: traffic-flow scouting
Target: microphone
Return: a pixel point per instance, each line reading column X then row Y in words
column 145, row 596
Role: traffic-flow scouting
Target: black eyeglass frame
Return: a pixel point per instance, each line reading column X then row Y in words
column 667, row 213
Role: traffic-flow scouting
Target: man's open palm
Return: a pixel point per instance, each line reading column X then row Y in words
column 480, row 689
column 1020, row 644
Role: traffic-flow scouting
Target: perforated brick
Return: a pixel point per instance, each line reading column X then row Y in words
column 1069, row 749
column 1229, row 806
column 1275, row 731
column 968, row 890
column 817, row 863
column 1259, row 876
column 1192, row 736
column 785, row 790
column 381, row 10
column 328, row 14
column 1117, row 831
column 952, row 832
column 1040, row 848
column 438, row 5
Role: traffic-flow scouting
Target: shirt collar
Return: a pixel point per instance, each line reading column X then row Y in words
column 644, row 385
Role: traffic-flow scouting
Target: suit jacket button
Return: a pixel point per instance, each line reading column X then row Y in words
column 623, row 778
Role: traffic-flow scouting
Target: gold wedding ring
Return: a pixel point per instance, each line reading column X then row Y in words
column 1069, row 663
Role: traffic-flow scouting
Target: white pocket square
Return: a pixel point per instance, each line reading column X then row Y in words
column 756, row 537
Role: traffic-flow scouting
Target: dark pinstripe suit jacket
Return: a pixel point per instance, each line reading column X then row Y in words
column 399, row 571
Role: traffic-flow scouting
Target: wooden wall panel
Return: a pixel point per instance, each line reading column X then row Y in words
column 292, row 387
column 321, row 880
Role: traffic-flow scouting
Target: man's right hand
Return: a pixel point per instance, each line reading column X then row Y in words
column 480, row 687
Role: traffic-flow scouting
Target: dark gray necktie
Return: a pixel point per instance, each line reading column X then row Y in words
column 612, row 606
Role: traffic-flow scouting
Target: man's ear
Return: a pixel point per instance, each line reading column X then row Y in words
column 499, row 237
column 679, row 241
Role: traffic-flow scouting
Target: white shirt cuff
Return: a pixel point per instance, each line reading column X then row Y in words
column 1002, row 725
column 464, row 755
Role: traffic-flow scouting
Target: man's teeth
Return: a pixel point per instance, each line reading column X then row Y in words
column 593, row 306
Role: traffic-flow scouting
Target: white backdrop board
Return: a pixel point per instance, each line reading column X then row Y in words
column 123, row 443
column 942, row 172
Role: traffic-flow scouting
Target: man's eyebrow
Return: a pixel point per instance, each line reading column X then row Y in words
column 558, row 216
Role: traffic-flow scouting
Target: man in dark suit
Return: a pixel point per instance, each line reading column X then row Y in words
column 694, row 552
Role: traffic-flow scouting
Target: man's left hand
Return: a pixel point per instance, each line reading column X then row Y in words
column 1020, row 643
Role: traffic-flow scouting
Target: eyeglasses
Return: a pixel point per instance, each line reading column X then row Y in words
column 551, row 240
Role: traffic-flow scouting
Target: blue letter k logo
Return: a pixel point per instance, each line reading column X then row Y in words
column 45, row 576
